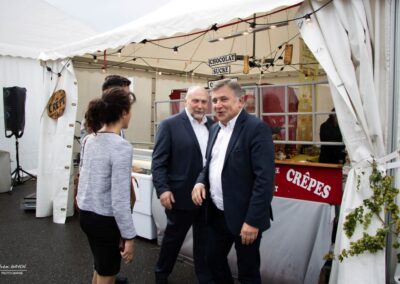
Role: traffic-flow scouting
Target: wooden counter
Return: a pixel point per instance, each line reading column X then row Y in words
column 309, row 164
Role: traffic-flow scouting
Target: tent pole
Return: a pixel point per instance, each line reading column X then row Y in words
column 393, row 119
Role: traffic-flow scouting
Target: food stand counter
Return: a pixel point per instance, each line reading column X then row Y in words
column 293, row 249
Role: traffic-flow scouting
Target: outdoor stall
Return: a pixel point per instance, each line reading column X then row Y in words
column 306, row 191
column 353, row 41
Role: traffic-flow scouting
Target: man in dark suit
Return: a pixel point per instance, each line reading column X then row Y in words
column 237, row 184
column 178, row 158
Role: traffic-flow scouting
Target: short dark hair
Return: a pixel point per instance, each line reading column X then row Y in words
column 115, row 81
column 233, row 85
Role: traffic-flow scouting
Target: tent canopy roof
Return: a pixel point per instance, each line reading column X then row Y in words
column 177, row 16
column 30, row 27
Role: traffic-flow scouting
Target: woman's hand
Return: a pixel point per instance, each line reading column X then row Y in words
column 127, row 250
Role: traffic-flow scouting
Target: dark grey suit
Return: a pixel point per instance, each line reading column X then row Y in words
column 177, row 161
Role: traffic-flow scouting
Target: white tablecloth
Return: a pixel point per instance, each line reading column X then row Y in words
column 292, row 250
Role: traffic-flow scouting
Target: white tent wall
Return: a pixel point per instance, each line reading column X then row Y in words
column 27, row 73
column 349, row 45
column 394, row 132
column 54, row 193
column 26, row 29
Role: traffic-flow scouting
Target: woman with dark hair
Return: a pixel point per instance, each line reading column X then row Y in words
column 104, row 184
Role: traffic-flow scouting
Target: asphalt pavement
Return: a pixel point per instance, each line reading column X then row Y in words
column 36, row 250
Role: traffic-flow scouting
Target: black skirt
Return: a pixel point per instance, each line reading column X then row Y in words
column 104, row 239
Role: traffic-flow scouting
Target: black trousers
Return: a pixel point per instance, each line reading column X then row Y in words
column 219, row 245
column 178, row 224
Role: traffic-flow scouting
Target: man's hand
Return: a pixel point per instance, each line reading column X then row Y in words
column 248, row 233
column 198, row 194
column 166, row 199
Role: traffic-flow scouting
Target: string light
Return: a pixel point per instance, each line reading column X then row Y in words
column 214, row 27
column 250, row 30
column 251, row 27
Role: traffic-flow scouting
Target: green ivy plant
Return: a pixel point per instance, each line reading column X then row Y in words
column 383, row 198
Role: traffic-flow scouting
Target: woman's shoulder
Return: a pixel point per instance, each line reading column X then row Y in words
column 121, row 144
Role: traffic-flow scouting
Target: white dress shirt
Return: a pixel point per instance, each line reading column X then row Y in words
column 217, row 161
column 201, row 131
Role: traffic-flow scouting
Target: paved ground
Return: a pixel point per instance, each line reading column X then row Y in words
column 56, row 254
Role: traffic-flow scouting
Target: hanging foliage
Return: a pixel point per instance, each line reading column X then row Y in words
column 383, row 199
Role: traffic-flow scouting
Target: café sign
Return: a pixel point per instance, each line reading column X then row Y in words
column 223, row 59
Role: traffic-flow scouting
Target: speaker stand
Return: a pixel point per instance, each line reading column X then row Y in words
column 17, row 174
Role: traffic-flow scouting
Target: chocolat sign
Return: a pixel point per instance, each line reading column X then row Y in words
column 222, row 59
column 321, row 184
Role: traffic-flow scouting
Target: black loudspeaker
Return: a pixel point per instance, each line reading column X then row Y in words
column 14, row 111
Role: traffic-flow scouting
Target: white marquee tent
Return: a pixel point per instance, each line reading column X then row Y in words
column 352, row 40
column 26, row 29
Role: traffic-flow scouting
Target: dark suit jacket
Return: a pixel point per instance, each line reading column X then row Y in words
column 177, row 159
column 247, row 175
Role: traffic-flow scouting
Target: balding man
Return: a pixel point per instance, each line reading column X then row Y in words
column 178, row 158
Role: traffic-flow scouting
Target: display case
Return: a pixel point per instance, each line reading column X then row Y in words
column 142, row 216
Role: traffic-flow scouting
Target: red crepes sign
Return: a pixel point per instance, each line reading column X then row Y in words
column 313, row 182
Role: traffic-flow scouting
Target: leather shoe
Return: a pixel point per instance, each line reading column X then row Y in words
column 161, row 279
column 121, row 280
